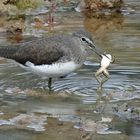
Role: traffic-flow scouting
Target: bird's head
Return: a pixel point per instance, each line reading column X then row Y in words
column 86, row 39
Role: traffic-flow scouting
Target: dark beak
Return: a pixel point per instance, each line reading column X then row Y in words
column 97, row 51
column 94, row 48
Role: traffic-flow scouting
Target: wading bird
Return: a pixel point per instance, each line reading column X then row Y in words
column 53, row 56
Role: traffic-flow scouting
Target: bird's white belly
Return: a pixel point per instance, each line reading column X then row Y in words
column 54, row 70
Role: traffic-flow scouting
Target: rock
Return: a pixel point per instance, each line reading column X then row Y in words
column 16, row 28
column 99, row 4
column 10, row 2
column 26, row 121
column 81, row 6
column 99, row 8
column 22, row 4
column 126, row 111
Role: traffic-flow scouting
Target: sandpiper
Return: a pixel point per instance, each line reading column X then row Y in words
column 53, row 56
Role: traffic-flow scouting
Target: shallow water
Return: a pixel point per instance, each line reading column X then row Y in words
column 76, row 110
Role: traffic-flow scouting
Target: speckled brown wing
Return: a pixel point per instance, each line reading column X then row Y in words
column 38, row 54
column 40, row 51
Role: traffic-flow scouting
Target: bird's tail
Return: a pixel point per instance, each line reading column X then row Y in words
column 8, row 51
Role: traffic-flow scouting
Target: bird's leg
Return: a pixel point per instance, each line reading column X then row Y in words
column 49, row 84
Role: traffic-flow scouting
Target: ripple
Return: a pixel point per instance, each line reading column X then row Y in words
column 81, row 83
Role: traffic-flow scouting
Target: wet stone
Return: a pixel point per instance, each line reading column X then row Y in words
column 24, row 121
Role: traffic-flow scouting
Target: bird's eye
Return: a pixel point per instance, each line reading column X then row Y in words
column 83, row 39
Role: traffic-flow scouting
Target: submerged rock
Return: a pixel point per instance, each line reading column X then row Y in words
column 126, row 111
column 25, row 121
column 97, row 127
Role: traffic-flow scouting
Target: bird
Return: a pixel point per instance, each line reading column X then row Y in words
column 52, row 56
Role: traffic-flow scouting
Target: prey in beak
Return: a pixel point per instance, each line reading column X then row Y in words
column 105, row 62
column 106, row 59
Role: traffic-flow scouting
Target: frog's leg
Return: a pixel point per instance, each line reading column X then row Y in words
column 106, row 76
column 99, row 71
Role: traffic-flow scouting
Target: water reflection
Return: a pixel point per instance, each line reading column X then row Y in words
column 100, row 27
